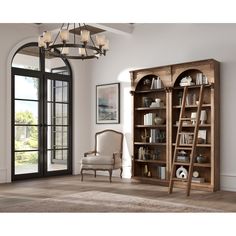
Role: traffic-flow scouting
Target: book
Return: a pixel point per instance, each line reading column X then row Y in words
column 198, row 180
column 153, row 83
column 163, row 172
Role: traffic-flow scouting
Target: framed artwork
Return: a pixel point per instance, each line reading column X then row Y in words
column 108, row 103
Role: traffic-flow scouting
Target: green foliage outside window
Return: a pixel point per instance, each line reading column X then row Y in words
column 26, row 138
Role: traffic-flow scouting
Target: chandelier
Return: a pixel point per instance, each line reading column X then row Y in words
column 74, row 42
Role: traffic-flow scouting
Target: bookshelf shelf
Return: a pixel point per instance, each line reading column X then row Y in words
column 151, row 161
column 192, row 106
column 150, row 126
column 149, row 144
column 149, row 108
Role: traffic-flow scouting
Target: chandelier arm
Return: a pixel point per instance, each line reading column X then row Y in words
column 74, row 33
column 85, row 47
column 68, row 24
column 57, row 54
column 71, row 45
column 58, row 34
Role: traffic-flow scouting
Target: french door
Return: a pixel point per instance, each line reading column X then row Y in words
column 41, row 124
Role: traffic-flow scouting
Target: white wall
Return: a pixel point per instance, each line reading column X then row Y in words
column 153, row 45
column 10, row 36
column 81, row 112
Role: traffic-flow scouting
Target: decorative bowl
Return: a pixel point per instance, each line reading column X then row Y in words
column 201, row 159
column 158, row 120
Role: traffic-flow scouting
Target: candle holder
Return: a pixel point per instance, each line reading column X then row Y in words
column 145, row 137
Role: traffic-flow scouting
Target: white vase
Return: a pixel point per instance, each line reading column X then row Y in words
column 158, row 83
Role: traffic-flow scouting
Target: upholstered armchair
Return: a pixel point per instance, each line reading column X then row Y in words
column 107, row 155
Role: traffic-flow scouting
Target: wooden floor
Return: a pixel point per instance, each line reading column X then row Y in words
column 19, row 191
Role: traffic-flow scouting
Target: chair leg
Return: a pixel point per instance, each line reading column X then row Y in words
column 95, row 174
column 81, row 172
column 110, row 174
column 121, row 171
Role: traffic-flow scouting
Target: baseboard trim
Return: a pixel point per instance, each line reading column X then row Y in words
column 228, row 182
column 3, row 175
column 229, row 175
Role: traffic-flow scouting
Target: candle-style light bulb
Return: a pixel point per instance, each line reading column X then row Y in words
column 47, row 36
column 64, row 35
column 82, row 51
column 100, row 40
column 41, row 42
column 85, row 36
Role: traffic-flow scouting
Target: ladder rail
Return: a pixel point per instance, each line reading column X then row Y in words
column 182, row 111
column 195, row 138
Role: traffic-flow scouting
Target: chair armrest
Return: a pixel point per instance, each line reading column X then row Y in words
column 117, row 154
column 90, row 152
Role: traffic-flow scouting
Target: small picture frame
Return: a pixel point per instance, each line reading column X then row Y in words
column 202, row 136
column 108, row 103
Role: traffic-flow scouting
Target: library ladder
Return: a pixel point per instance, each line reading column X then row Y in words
column 181, row 146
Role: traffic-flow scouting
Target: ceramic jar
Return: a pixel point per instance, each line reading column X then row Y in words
column 158, row 120
column 147, row 101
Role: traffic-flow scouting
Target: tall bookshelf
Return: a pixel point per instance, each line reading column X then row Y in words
column 154, row 138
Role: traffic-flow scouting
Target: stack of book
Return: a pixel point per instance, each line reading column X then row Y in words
column 148, row 118
column 153, row 135
column 201, row 79
column 198, row 180
column 157, row 136
column 186, row 138
column 156, row 83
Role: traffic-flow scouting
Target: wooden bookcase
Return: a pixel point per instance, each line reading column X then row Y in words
column 154, row 139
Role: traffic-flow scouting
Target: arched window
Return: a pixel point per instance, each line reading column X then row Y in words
column 41, row 114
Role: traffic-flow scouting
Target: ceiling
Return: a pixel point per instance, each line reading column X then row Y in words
column 116, row 28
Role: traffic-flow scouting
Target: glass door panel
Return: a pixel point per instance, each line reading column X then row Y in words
column 23, row 84
column 27, row 58
column 26, row 162
column 26, row 125
column 26, row 138
column 26, row 112
column 57, row 125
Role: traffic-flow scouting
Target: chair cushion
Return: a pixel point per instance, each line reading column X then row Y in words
column 98, row 167
column 98, row 160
